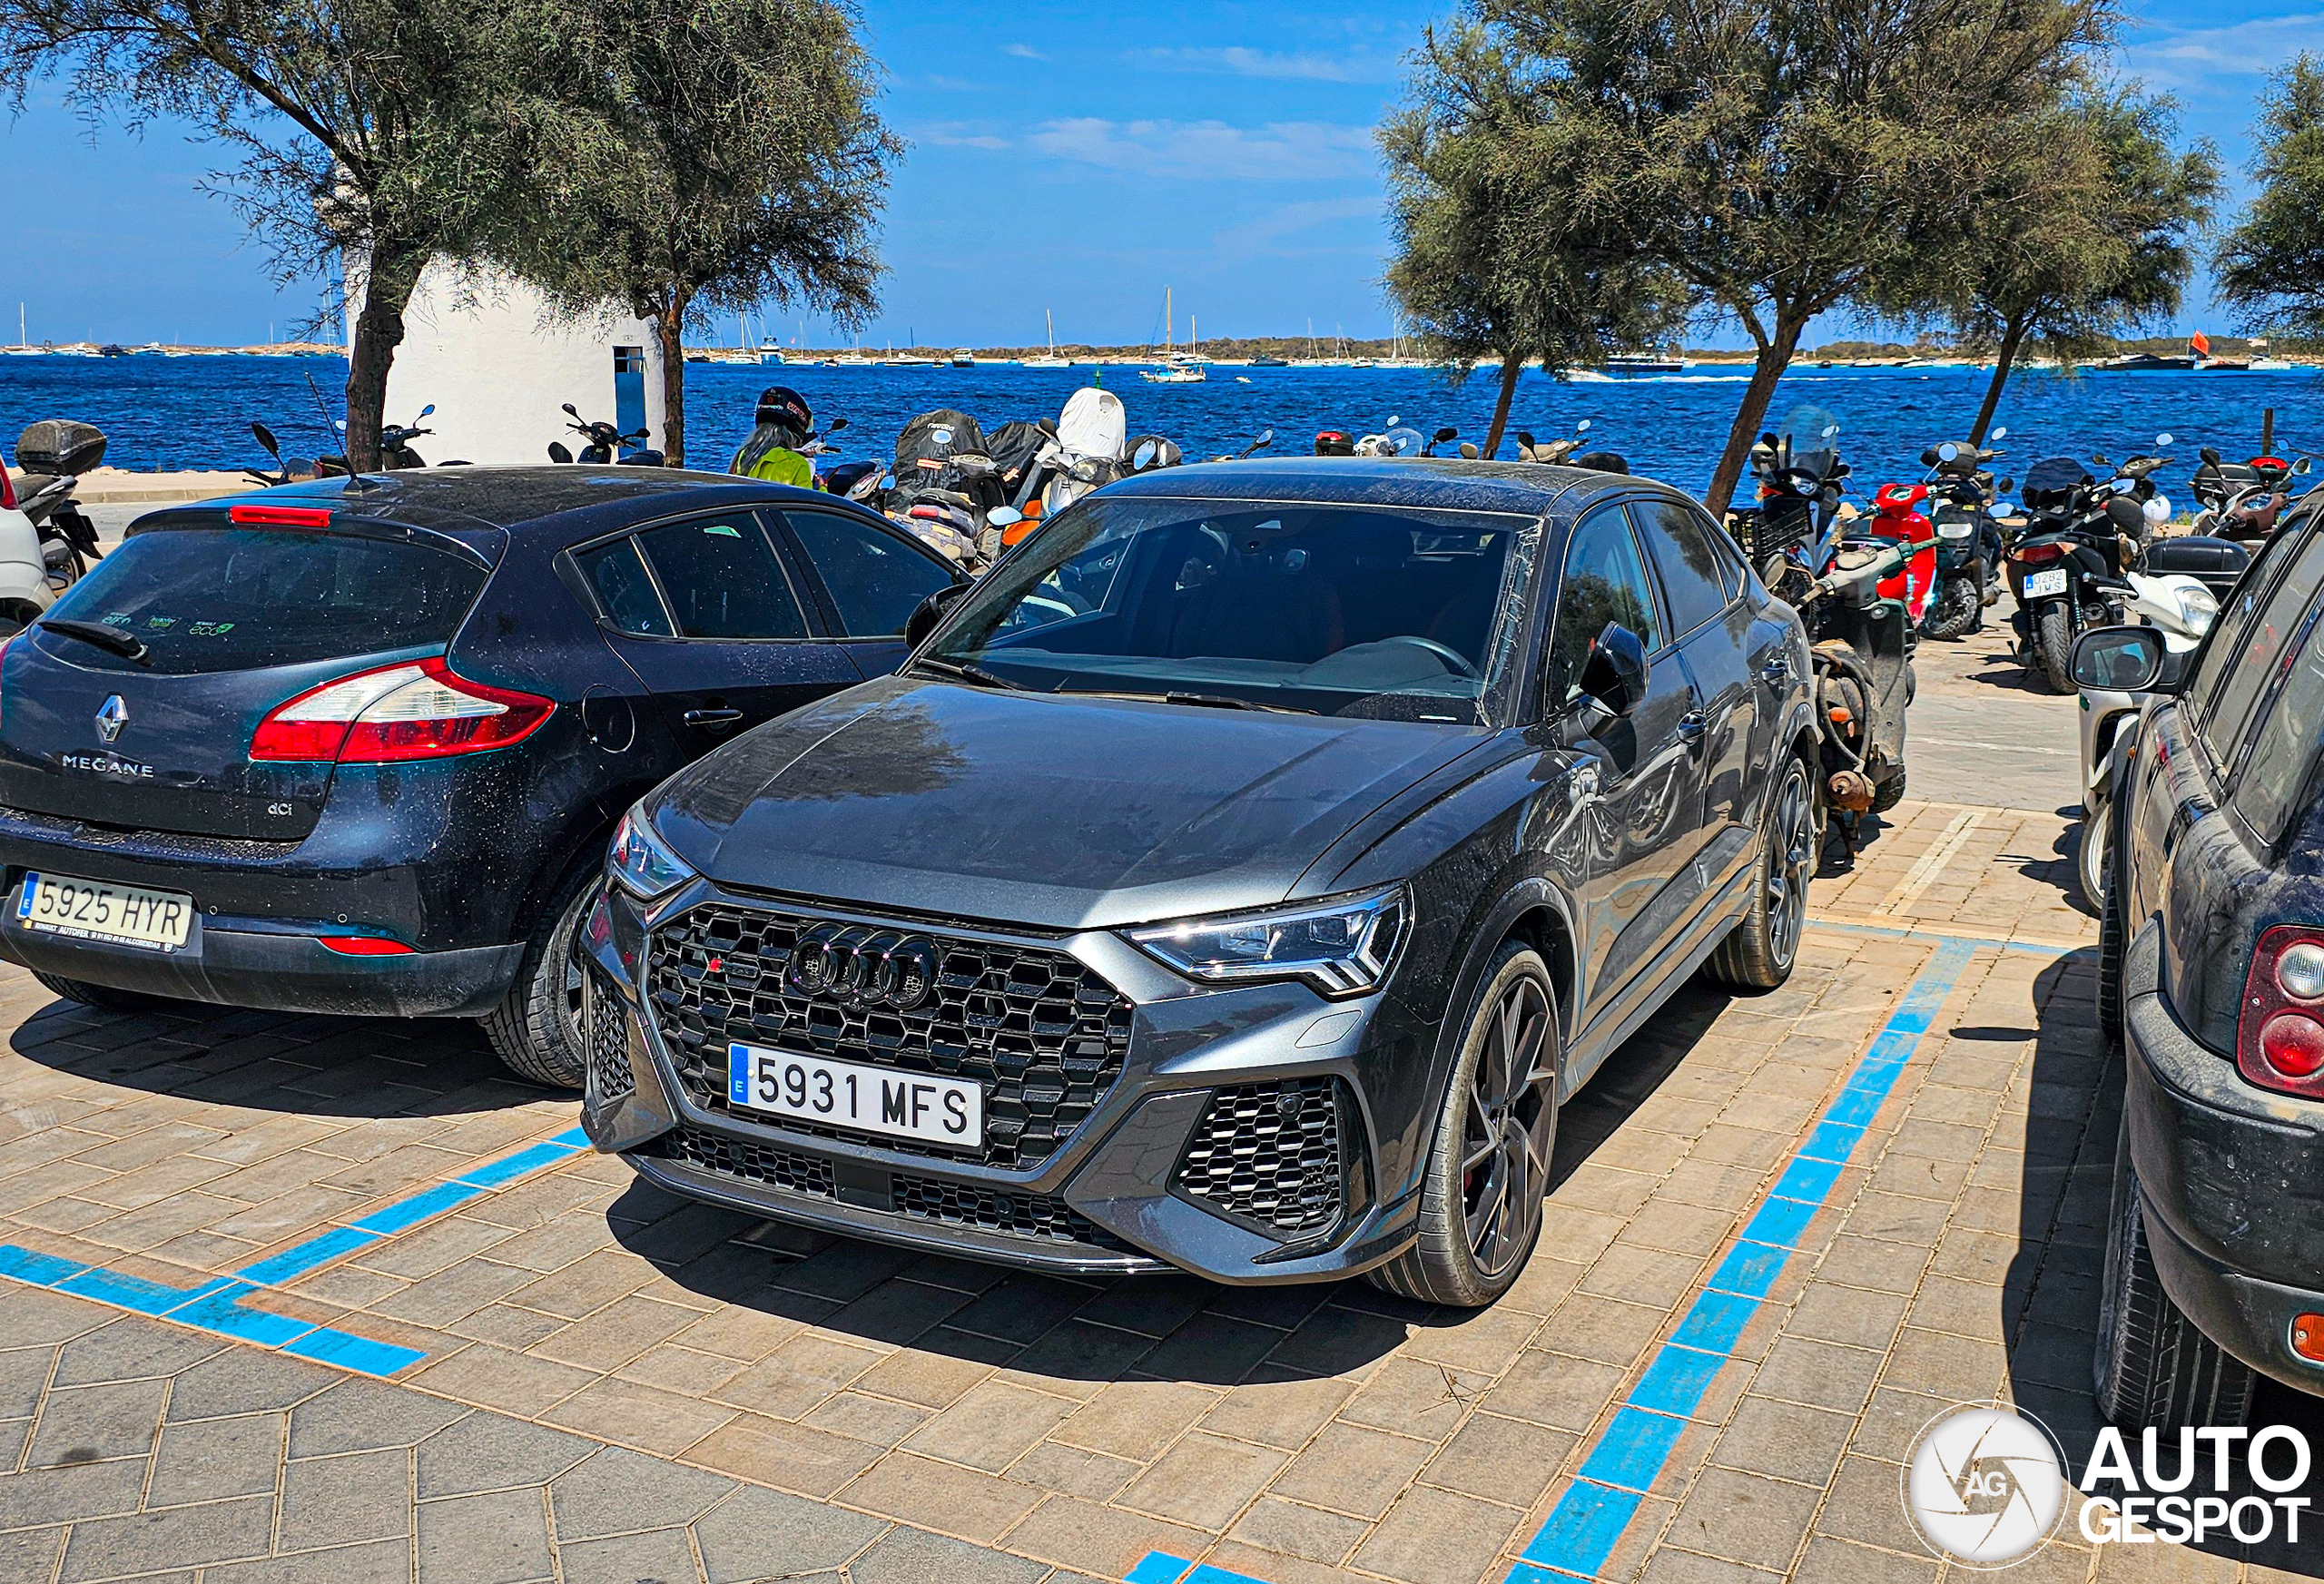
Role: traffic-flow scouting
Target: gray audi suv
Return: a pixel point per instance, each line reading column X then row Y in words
column 1236, row 878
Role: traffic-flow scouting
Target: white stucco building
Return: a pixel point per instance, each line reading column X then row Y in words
column 499, row 371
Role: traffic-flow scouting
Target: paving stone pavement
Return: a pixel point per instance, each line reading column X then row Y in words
column 619, row 1385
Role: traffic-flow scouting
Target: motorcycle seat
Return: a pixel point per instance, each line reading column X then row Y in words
column 2216, row 563
column 28, row 485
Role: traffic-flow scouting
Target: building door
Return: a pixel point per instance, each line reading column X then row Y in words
column 629, row 391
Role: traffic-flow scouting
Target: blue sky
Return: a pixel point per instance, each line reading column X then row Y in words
column 1066, row 157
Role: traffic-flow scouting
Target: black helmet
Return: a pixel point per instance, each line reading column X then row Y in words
column 782, row 405
column 1334, row 443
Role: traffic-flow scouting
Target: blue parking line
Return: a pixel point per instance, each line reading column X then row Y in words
column 1629, row 1454
column 217, row 1306
column 1162, row 1568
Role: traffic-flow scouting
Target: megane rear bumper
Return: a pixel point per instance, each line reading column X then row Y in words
column 1133, row 1121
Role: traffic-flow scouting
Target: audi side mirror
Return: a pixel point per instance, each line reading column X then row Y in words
column 931, row 610
column 1615, row 675
column 2120, row 659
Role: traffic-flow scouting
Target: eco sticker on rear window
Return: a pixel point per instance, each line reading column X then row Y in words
column 723, row 531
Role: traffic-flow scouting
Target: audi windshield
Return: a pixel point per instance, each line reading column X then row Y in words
column 1389, row 613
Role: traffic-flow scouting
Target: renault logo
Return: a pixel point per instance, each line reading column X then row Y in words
column 863, row 968
column 111, row 718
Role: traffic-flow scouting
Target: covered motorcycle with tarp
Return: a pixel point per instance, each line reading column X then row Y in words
column 945, row 481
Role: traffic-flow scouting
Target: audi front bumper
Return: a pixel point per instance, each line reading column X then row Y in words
column 1135, row 1121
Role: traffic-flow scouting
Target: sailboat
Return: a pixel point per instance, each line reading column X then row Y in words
column 22, row 350
column 1052, row 360
column 1174, row 369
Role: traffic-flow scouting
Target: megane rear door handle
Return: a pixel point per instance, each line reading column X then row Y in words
column 713, row 718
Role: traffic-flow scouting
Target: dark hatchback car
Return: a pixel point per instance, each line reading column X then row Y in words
column 1237, row 880
column 357, row 747
column 2212, row 970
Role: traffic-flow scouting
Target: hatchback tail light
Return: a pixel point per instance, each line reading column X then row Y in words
column 2279, row 1034
column 2034, row 554
column 417, row 710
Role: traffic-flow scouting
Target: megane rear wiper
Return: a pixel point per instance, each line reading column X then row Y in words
column 966, row 671
column 124, row 644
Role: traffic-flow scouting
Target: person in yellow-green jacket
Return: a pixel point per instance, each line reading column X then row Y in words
column 784, row 422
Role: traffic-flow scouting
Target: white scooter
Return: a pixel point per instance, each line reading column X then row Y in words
column 45, row 543
column 2184, row 610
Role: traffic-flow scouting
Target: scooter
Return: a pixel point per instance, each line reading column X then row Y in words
column 1551, row 452
column 1970, row 544
column 2183, row 608
column 53, row 454
column 395, row 447
column 605, row 443
column 1259, row 442
column 2243, row 501
column 1858, row 646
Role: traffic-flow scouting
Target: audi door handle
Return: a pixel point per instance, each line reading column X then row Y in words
column 713, row 717
column 1776, row 672
column 1691, row 726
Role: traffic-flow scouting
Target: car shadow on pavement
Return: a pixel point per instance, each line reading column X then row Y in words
column 2051, row 1291
column 1104, row 1329
column 352, row 1067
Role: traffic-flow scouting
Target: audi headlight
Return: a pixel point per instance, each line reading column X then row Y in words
column 1344, row 946
column 2198, row 609
column 640, row 863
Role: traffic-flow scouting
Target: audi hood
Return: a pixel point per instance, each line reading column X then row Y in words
column 1057, row 811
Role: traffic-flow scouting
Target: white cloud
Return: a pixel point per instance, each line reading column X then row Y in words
column 2192, row 60
column 1278, row 151
column 1023, row 51
column 957, row 135
column 1235, row 60
column 1263, row 234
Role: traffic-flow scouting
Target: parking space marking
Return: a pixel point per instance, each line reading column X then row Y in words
column 1999, row 942
column 1589, row 1517
column 219, row 1305
column 1917, row 879
column 1162, row 1568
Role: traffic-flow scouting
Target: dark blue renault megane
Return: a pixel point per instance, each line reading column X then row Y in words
column 1236, row 878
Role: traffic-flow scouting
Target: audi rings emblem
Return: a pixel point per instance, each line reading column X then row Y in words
column 863, row 968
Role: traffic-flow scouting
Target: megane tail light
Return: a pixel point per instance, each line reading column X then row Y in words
column 2279, row 1034
column 419, row 710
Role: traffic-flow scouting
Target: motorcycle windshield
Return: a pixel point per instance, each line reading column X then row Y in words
column 1809, row 439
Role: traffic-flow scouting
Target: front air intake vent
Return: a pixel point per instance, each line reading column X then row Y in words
column 1274, row 1154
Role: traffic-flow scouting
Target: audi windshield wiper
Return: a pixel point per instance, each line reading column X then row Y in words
column 124, row 644
column 966, row 671
column 1208, row 701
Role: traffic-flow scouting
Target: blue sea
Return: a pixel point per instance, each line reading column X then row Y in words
column 165, row 413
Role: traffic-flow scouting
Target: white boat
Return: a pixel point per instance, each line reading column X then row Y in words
column 1633, row 366
column 855, row 359
column 1052, row 360
column 1177, row 368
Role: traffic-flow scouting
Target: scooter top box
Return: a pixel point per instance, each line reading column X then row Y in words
column 60, row 446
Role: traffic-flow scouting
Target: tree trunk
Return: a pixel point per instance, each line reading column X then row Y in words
column 1775, row 357
column 1512, row 365
column 389, row 277
column 2012, row 339
column 670, row 327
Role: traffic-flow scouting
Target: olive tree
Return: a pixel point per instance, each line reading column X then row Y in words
column 373, row 134
column 2270, row 267
column 1785, row 158
column 710, row 155
column 1493, row 257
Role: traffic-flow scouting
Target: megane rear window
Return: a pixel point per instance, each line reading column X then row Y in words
column 205, row 599
column 1400, row 614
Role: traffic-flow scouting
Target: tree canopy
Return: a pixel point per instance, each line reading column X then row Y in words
column 708, row 156
column 2270, row 267
column 382, row 132
column 1493, row 259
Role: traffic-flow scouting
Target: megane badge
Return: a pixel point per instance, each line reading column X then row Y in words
column 110, row 719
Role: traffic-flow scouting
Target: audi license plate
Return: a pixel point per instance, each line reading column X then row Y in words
column 93, row 910
column 2038, row 584
column 845, row 1094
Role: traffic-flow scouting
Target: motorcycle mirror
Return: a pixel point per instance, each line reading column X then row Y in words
column 1949, row 452
column 834, row 426
column 1583, row 428
column 340, row 423
column 1143, row 458
column 1831, row 429
column 557, row 453
column 1447, row 433
column 1266, row 437
column 2101, row 458
column 2163, row 440
column 569, row 411
column 2004, row 487
column 1002, row 516
column 265, row 437
column 424, row 411
column 2209, row 454
column 1394, row 420
column 2301, row 467
column 1999, row 434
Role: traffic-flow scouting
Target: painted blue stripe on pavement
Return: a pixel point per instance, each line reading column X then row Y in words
column 42, row 1270
column 1587, row 1521
column 1157, row 1568
column 350, row 1351
column 405, row 1214
column 298, row 1260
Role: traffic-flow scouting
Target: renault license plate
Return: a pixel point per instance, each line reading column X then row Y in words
column 921, row 1107
column 2038, row 584
column 95, row 910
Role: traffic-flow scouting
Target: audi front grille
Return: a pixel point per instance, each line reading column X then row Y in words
column 1276, row 1154
column 1042, row 1032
